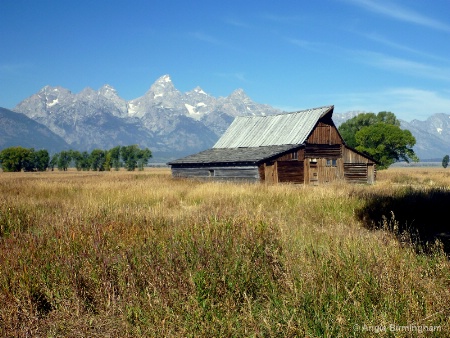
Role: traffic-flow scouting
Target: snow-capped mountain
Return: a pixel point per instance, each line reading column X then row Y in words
column 164, row 119
column 432, row 136
column 87, row 120
column 172, row 123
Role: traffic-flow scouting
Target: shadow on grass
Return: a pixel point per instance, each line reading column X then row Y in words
column 421, row 215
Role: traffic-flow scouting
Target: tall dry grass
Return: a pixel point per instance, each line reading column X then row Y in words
column 141, row 254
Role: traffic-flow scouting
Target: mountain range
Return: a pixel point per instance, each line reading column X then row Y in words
column 165, row 120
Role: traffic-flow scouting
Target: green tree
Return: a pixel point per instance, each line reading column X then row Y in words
column 64, row 159
column 42, row 160
column 36, row 160
column 85, row 161
column 54, row 161
column 76, row 158
column 98, row 159
column 445, row 161
column 388, row 117
column 386, row 143
column 380, row 137
column 29, row 160
column 13, row 159
column 115, row 157
column 129, row 156
column 349, row 128
column 143, row 156
column 81, row 161
column 107, row 160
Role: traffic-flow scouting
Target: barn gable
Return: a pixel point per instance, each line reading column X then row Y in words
column 300, row 147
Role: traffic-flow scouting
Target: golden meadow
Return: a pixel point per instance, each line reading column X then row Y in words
column 140, row 254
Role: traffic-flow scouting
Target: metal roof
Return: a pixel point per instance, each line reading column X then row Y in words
column 251, row 155
column 272, row 130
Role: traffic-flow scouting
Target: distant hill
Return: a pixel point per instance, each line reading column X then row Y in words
column 19, row 130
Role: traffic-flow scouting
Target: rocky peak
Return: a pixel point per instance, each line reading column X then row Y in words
column 164, row 79
column 87, row 94
column 198, row 90
column 53, row 90
column 238, row 94
column 438, row 124
column 162, row 85
column 161, row 95
column 108, row 91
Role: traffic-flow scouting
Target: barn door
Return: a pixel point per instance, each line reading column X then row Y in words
column 270, row 173
column 313, row 173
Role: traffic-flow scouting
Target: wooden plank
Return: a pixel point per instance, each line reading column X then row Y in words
column 232, row 172
column 323, row 151
column 290, row 171
column 356, row 172
column 325, row 133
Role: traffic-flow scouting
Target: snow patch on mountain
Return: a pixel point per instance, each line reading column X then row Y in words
column 51, row 104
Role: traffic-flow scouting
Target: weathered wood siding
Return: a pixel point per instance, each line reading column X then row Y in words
column 290, row 171
column 355, row 172
column 324, row 133
column 270, row 173
column 357, row 167
column 301, row 154
column 351, row 156
column 371, row 173
column 262, row 172
column 248, row 173
column 359, row 173
column 323, row 151
column 323, row 170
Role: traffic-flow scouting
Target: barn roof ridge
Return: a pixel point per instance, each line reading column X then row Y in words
column 329, row 107
column 269, row 130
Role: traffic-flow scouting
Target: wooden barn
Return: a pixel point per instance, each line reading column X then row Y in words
column 301, row 147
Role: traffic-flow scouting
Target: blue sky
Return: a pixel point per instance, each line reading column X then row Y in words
column 369, row 55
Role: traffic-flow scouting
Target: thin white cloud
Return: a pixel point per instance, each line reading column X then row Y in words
column 401, row 13
column 411, row 98
column 380, row 60
column 234, row 76
column 305, row 44
column 281, row 18
column 403, row 66
column 8, row 68
column 237, row 23
column 383, row 40
column 406, row 103
column 206, row 38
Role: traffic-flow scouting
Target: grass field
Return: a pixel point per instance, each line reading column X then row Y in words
column 121, row 254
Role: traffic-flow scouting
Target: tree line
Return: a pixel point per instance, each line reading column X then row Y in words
column 14, row 159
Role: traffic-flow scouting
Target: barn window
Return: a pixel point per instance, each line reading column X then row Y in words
column 295, row 155
column 331, row 162
column 211, row 172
